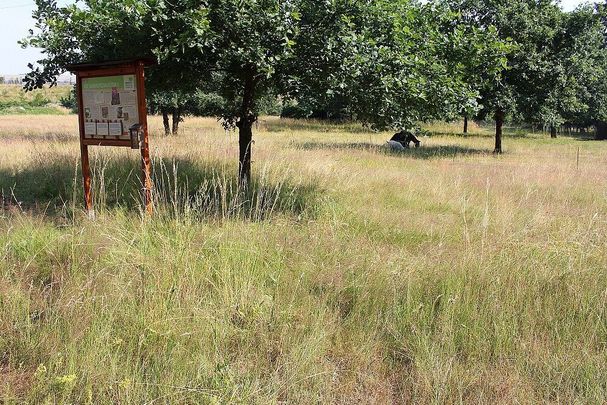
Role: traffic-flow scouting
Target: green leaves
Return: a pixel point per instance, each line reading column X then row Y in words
column 390, row 63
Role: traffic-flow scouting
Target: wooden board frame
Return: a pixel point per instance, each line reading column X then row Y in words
column 131, row 67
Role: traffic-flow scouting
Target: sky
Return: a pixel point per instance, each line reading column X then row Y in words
column 16, row 20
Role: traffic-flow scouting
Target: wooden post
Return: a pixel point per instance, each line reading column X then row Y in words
column 146, row 167
column 146, row 176
column 84, row 153
column 86, row 176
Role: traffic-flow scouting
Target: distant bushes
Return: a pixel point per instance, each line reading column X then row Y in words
column 296, row 111
column 203, row 104
column 334, row 110
column 70, row 101
column 39, row 100
column 14, row 100
column 206, row 104
column 39, row 105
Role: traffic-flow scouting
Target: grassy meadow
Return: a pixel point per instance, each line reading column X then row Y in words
column 15, row 101
column 346, row 274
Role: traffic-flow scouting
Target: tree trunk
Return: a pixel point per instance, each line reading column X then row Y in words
column 245, row 130
column 165, row 122
column 245, row 139
column 552, row 131
column 176, row 119
column 499, row 123
column 465, row 124
column 601, row 130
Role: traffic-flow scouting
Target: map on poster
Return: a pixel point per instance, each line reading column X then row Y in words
column 110, row 106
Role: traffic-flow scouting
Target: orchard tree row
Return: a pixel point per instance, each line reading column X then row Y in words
column 393, row 63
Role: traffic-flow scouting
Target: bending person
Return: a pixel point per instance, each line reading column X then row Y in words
column 405, row 138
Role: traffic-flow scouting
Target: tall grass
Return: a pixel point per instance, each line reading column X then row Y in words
column 182, row 188
column 343, row 275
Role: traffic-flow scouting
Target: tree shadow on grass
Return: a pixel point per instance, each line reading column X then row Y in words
column 424, row 152
column 199, row 190
column 58, row 137
column 313, row 125
column 587, row 138
column 520, row 134
column 508, row 133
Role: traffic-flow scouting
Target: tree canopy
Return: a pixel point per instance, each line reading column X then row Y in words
column 391, row 64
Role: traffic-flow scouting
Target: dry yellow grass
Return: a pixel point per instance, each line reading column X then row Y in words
column 437, row 275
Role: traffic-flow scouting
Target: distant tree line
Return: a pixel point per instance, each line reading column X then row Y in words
column 385, row 63
column 12, row 80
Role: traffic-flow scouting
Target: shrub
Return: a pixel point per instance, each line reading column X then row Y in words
column 39, row 100
column 70, row 101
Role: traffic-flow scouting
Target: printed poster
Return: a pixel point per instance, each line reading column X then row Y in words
column 112, row 99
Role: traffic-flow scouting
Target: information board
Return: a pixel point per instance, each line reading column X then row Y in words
column 112, row 112
column 110, row 106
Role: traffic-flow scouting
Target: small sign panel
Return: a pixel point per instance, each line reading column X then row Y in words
column 115, row 128
column 90, row 128
column 103, row 129
column 112, row 99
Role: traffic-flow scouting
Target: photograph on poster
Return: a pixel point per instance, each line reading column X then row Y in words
column 129, row 111
column 115, row 96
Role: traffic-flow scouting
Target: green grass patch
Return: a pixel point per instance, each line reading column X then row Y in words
column 344, row 274
column 15, row 101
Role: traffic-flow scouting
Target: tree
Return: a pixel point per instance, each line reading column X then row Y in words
column 577, row 93
column 387, row 61
column 244, row 47
column 391, row 62
column 482, row 55
column 245, row 43
column 171, row 104
column 583, row 50
column 530, row 26
column 102, row 30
